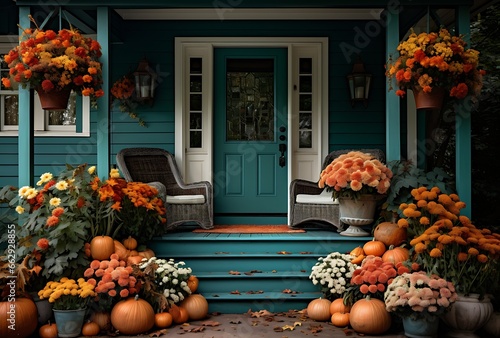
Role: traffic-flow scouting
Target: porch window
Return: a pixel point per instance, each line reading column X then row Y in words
column 305, row 103
column 195, row 102
column 46, row 123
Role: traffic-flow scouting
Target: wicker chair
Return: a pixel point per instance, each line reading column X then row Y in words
column 311, row 204
column 184, row 202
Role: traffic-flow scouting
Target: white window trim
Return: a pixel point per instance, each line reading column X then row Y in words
column 7, row 42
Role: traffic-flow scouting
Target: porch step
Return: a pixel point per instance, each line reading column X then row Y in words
column 241, row 272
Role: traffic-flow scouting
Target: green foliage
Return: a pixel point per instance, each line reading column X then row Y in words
column 406, row 177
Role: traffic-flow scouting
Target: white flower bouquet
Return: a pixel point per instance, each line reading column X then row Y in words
column 166, row 278
column 333, row 273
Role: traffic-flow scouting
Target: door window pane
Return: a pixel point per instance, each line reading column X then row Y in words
column 250, row 99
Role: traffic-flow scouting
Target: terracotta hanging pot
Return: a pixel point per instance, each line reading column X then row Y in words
column 54, row 100
column 432, row 100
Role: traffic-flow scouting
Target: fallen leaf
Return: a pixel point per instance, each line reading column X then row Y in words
column 234, row 273
column 316, row 328
column 235, row 292
column 235, row 322
column 261, row 313
column 255, row 292
column 297, row 324
column 305, row 252
column 274, row 271
column 278, row 329
column 284, row 253
column 158, row 333
column 288, row 327
column 210, row 323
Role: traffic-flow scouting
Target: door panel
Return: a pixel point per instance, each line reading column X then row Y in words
column 250, row 124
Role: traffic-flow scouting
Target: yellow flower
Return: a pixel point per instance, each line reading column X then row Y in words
column 55, row 201
column 91, row 170
column 19, row 209
column 114, row 173
column 61, row 185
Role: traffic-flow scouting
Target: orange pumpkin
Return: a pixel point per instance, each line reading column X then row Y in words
column 48, row 331
column 103, row 319
column 130, row 243
column 369, row 316
column 193, row 283
column 196, row 306
column 357, row 251
column 396, row 255
column 340, row 319
column 132, row 260
column 179, row 314
column 163, row 320
column 120, row 250
column 390, row 233
column 25, row 321
column 90, row 329
column 132, row 316
column 339, row 306
column 319, row 309
column 147, row 253
column 358, row 260
column 375, row 248
column 101, row 247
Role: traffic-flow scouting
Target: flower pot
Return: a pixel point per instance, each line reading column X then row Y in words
column 467, row 315
column 44, row 309
column 69, row 322
column 356, row 213
column 422, row 327
column 54, row 100
column 432, row 100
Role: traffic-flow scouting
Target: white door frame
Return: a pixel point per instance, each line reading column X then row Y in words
column 200, row 159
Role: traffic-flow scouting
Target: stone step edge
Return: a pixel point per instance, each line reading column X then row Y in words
column 252, row 274
column 246, row 295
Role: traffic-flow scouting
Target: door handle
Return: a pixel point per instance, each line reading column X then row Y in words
column 282, row 159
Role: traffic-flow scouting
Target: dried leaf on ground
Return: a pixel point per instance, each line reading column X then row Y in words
column 158, row 333
column 315, row 328
column 234, row 273
column 210, row 323
column 284, row 253
column 235, row 292
column 255, row 292
column 305, row 252
column 235, row 322
column 261, row 313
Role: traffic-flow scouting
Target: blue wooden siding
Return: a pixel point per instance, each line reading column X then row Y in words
column 349, row 127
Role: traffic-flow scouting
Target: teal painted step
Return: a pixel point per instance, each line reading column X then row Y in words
column 273, row 268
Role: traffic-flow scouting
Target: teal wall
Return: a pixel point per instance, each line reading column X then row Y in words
column 349, row 127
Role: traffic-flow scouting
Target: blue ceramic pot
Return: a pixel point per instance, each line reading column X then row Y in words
column 425, row 327
column 69, row 322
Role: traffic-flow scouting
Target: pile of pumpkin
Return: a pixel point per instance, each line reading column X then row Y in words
column 133, row 316
column 367, row 315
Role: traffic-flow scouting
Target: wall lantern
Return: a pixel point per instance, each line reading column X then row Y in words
column 145, row 82
column 359, row 83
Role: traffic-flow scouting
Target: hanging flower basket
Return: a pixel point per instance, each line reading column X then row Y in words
column 54, row 100
column 432, row 100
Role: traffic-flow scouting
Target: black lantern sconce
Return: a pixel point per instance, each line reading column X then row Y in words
column 145, row 82
column 359, row 83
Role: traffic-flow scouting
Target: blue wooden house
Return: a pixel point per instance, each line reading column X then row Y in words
column 298, row 55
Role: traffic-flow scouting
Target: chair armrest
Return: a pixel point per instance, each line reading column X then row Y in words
column 196, row 188
column 299, row 186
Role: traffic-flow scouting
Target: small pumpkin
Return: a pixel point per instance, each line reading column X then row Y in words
column 340, row 319
column 102, row 247
column 319, row 309
column 163, row 320
column 396, row 255
column 339, row 306
column 358, row 260
column 130, row 243
column 147, row 253
column 132, row 260
column 26, row 317
column 375, row 248
column 390, row 233
column 90, row 329
column 48, row 331
column 369, row 316
column 193, row 283
column 357, row 251
column 196, row 306
column 179, row 314
column 132, row 316
column 103, row 319
column 120, row 250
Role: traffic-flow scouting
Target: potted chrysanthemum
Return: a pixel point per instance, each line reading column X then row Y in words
column 358, row 180
column 55, row 63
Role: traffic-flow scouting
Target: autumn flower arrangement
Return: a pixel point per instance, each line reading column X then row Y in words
column 165, row 281
column 113, row 280
column 447, row 244
column 372, row 278
column 122, row 92
column 419, row 295
column 54, row 61
column 354, row 174
column 333, row 274
column 68, row 294
column 430, row 60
